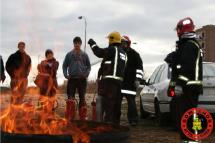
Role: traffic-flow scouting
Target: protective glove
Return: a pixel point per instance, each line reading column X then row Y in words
column 91, row 42
column 137, row 83
column 3, row 78
column 178, row 90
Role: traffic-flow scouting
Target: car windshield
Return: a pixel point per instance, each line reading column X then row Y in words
column 209, row 70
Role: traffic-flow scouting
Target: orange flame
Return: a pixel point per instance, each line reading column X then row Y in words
column 27, row 119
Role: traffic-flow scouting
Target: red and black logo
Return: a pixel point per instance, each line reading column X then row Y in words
column 197, row 124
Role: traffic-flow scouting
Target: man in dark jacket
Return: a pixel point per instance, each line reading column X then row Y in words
column 133, row 76
column 76, row 68
column 18, row 67
column 186, row 63
column 112, row 72
column 2, row 77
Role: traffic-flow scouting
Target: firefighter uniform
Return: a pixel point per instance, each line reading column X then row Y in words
column 186, row 63
column 133, row 72
column 112, row 71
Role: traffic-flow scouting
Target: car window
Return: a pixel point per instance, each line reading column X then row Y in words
column 153, row 76
column 157, row 78
column 165, row 73
column 209, row 70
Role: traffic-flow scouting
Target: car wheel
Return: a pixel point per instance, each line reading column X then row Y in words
column 161, row 118
column 143, row 113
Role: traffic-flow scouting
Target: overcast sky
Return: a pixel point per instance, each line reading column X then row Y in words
column 53, row 24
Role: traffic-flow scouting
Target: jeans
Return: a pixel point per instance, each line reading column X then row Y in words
column 80, row 85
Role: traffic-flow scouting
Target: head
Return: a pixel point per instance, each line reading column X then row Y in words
column 114, row 37
column 77, row 43
column 185, row 25
column 21, row 46
column 49, row 54
column 126, row 42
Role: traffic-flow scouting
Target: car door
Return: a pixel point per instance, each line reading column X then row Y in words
column 155, row 87
column 148, row 92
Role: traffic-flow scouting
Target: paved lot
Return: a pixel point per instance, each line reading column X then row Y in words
column 146, row 132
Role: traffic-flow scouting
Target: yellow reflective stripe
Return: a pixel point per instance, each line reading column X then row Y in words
column 139, row 71
column 139, row 76
column 178, row 66
column 93, row 45
column 116, row 61
column 183, row 78
column 197, row 60
column 128, row 92
column 113, row 77
column 194, row 82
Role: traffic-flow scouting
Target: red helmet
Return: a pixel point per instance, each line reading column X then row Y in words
column 127, row 39
column 185, row 25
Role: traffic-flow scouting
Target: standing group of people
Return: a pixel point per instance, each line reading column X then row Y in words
column 120, row 69
column 120, row 73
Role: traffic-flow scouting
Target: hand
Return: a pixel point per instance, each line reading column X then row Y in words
column 137, row 83
column 178, row 90
column 91, row 42
column 3, row 78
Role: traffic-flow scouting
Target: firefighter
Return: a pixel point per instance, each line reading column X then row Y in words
column 132, row 78
column 2, row 76
column 186, row 63
column 112, row 71
column 18, row 67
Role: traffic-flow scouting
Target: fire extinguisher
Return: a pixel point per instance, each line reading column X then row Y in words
column 99, row 109
column 93, row 104
column 83, row 112
column 70, row 109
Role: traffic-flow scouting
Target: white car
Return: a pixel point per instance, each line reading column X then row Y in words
column 154, row 99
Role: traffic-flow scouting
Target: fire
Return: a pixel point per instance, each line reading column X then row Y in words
column 29, row 119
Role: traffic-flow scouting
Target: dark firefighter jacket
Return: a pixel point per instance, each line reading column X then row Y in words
column 133, row 71
column 113, row 63
column 18, row 65
column 187, row 63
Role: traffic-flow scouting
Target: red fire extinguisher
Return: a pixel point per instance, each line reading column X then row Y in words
column 83, row 112
column 70, row 109
column 93, row 104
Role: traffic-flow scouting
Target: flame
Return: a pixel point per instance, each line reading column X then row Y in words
column 27, row 119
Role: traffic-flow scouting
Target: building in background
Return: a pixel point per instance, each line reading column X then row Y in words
column 207, row 34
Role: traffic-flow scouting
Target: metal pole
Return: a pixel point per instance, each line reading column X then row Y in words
column 85, row 34
column 85, row 31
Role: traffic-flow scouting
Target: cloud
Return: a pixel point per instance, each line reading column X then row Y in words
column 52, row 24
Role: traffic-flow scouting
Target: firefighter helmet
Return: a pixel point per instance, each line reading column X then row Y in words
column 184, row 26
column 114, row 37
column 126, row 39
